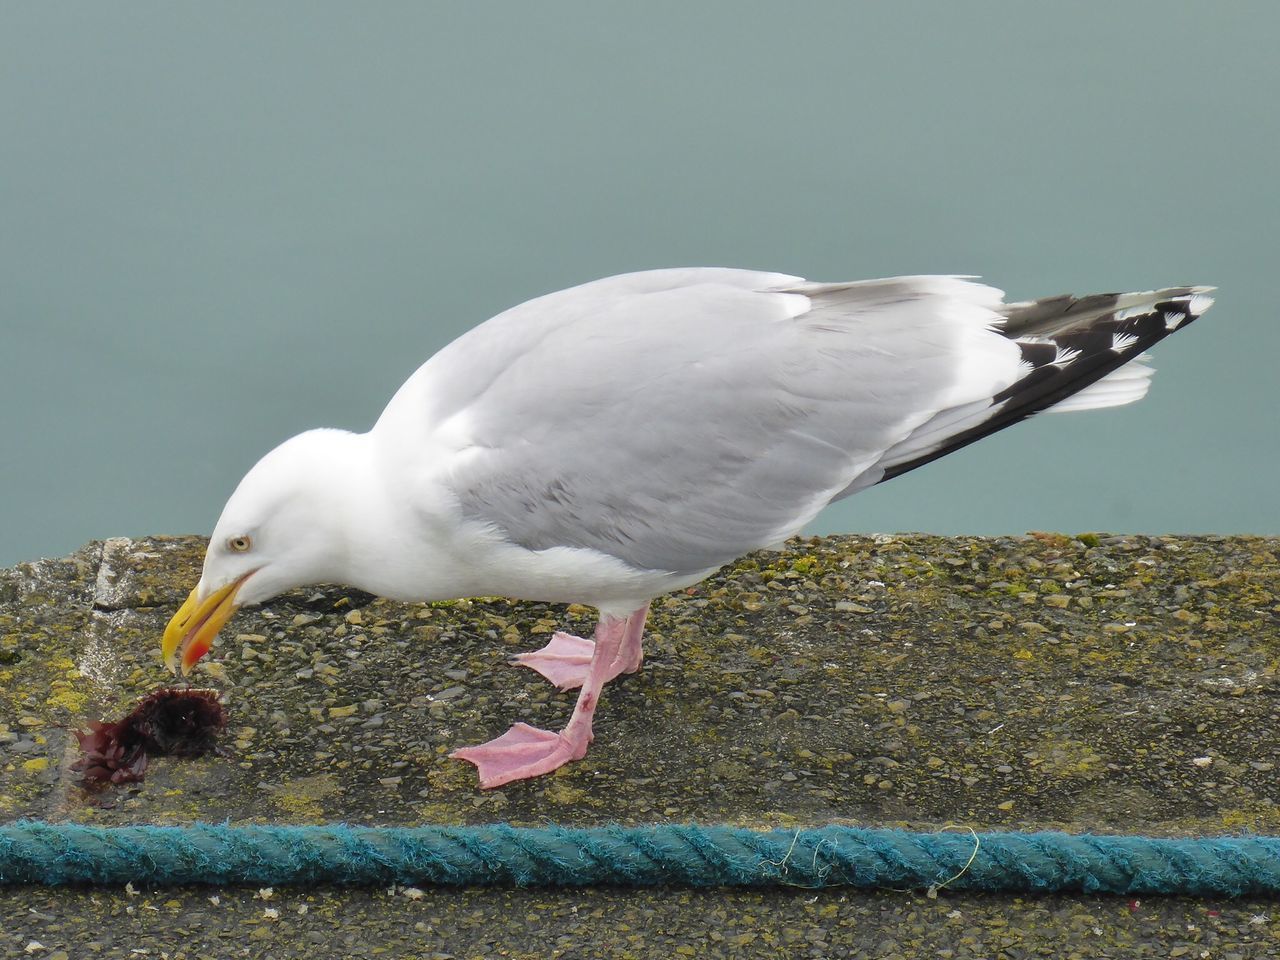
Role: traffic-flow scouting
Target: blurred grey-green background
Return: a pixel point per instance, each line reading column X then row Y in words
column 224, row 223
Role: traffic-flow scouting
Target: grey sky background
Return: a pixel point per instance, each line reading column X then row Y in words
column 224, row 223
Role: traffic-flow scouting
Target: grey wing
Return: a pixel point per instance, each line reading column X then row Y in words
column 678, row 428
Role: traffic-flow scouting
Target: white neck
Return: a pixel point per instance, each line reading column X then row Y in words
column 402, row 538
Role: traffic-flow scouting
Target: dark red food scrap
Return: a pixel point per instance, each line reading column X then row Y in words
column 170, row 722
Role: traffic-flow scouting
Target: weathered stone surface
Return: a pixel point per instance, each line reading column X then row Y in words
column 1125, row 684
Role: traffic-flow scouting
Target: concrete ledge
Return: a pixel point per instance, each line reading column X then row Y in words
column 1122, row 684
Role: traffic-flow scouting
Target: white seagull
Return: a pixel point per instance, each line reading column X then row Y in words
column 625, row 438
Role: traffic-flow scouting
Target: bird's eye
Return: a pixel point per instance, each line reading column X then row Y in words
column 239, row 544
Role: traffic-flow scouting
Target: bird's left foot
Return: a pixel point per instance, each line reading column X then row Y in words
column 565, row 660
column 523, row 752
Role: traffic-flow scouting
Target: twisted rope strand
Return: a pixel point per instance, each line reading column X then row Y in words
column 33, row 852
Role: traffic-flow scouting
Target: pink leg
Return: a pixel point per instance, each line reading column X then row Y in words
column 566, row 659
column 632, row 653
column 525, row 751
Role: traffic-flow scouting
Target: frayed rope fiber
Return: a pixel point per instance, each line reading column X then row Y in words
column 34, row 852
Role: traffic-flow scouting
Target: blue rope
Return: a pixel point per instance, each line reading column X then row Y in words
column 33, row 852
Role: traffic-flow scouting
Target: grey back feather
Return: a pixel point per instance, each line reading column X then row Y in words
column 678, row 420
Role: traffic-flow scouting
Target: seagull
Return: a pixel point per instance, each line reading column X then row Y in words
column 625, row 438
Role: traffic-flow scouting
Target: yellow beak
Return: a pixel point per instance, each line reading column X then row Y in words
column 194, row 626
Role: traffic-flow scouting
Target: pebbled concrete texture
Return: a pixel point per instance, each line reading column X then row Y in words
column 1108, row 683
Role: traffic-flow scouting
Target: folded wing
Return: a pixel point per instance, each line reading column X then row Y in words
column 678, row 419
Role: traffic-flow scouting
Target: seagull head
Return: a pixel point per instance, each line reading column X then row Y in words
column 282, row 528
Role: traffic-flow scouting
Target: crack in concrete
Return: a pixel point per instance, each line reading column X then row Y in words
column 96, row 666
column 97, row 661
column 118, row 607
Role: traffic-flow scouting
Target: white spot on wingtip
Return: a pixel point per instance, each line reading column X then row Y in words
column 1120, row 342
column 1198, row 304
column 1065, row 355
column 1173, row 319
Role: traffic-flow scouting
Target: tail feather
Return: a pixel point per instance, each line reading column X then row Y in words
column 1078, row 353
